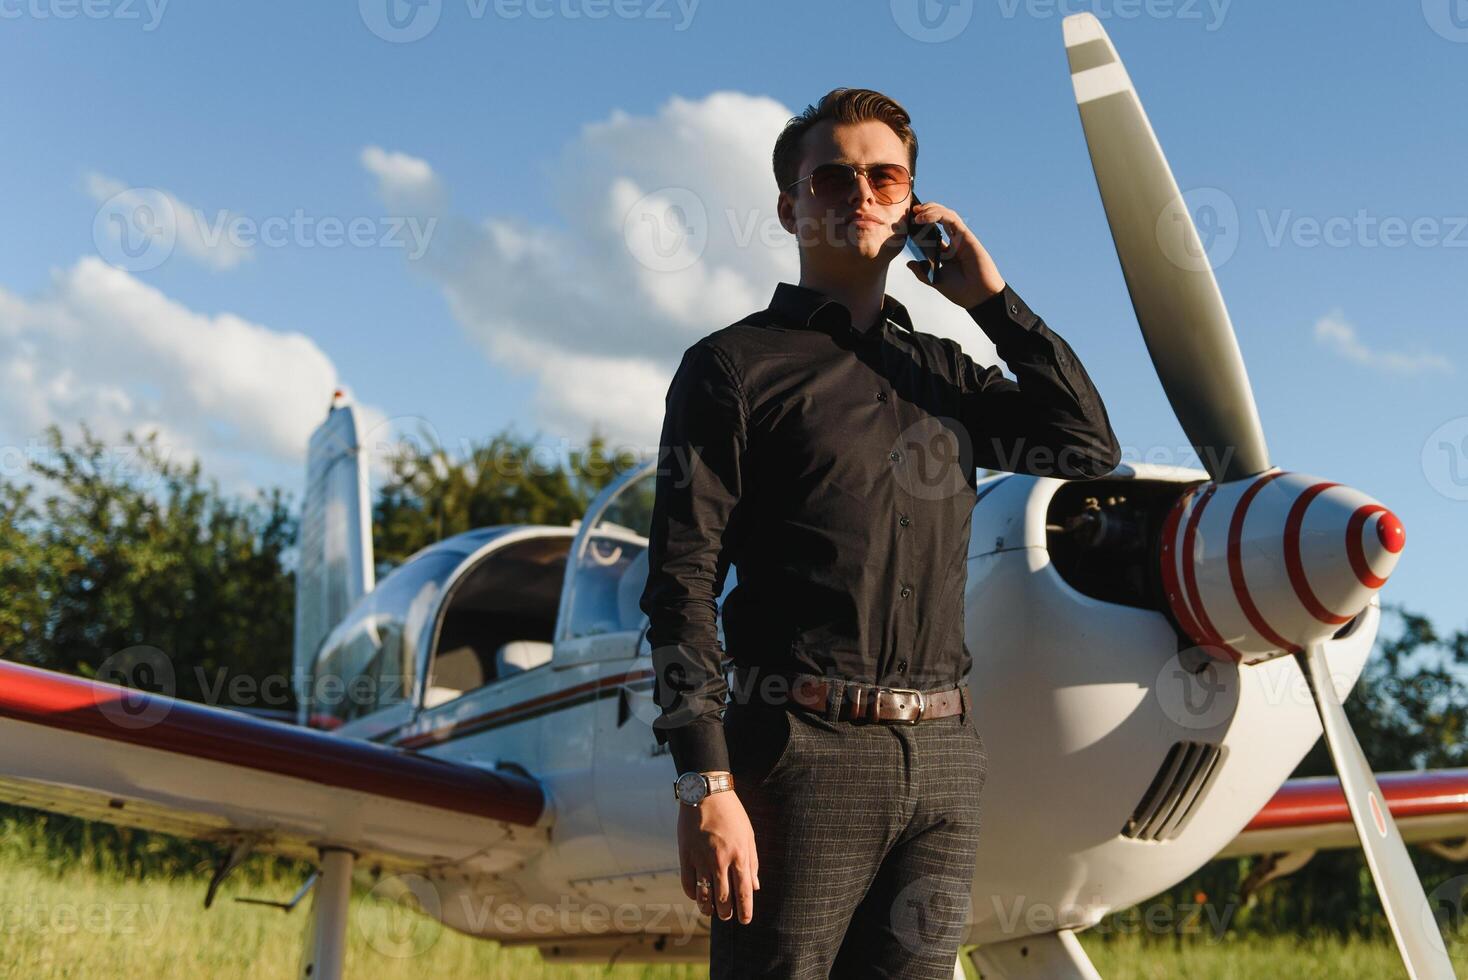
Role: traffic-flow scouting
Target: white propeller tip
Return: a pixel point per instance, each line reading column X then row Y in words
column 1082, row 28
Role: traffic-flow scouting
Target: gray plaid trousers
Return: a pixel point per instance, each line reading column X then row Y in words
column 867, row 836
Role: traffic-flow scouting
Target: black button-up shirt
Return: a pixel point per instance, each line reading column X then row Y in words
column 834, row 466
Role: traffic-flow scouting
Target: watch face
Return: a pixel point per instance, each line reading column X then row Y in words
column 691, row 787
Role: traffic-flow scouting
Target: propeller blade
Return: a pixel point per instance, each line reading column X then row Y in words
column 1419, row 940
column 1178, row 305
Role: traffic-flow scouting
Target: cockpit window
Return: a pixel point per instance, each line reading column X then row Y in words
column 612, row 570
column 367, row 662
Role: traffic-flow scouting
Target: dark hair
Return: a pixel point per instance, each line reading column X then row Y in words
column 841, row 105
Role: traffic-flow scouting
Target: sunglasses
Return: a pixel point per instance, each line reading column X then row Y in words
column 891, row 182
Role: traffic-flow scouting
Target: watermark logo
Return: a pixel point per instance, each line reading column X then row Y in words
column 140, row 672
column 1199, row 230
column 931, row 912
column 933, row 459
column 666, row 230
column 1446, row 912
column 1445, row 458
column 402, row 917
column 1448, row 19
column 136, row 229
column 932, row 21
column 1201, row 699
column 400, row 21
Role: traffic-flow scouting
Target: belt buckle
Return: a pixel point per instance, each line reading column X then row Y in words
column 917, row 696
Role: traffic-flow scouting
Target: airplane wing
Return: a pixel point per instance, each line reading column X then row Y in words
column 1311, row 814
column 76, row 746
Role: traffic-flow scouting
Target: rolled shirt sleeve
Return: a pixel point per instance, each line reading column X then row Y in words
column 696, row 504
column 1050, row 421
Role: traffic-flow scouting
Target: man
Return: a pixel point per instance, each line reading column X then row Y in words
column 827, row 449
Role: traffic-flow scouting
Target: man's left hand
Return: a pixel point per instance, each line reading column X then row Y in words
column 967, row 274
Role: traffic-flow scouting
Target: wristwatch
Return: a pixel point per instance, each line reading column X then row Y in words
column 692, row 788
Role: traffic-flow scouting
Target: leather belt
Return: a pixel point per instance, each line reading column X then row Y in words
column 884, row 704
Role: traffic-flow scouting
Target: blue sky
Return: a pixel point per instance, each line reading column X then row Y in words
column 520, row 137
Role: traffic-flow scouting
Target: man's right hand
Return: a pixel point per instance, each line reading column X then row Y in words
column 716, row 841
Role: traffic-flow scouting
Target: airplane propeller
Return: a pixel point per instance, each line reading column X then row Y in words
column 1192, row 344
column 1181, row 312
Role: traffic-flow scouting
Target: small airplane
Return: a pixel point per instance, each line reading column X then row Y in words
column 476, row 729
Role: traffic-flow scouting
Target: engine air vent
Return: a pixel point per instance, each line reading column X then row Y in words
column 1175, row 791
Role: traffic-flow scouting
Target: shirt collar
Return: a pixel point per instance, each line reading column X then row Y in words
column 801, row 306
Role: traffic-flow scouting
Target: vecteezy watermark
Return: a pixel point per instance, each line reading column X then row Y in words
column 1445, row 458
column 143, row 684
column 1213, row 234
column 678, row 702
column 666, row 230
column 1018, row 916
column 302, row 230
column 1199, row 691
column 1197, row 699
column 402, row 916
column 932, row 21
column 405, row 21
column 148, row 13
column 139, row 686
column 115, row 463
column 135, row 919
column 571, row 915
column 139, row 228
column 136, row 229
column 1179, row 456
column 1199, row 230
column 1210, row 13
column 1363, row 230
column 1445, row 916
column 1448, row 19
column 933, row 459
column 932, row 911
column 400, row 21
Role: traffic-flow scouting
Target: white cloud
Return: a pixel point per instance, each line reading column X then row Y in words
column 1333, row 332
column 102, row 347
column 399, row 175
column 202, row 236
column 664, row 230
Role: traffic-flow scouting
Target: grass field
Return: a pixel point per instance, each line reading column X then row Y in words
column 72, row 920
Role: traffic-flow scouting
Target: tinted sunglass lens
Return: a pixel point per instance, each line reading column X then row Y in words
column 832, row 180
column 889, row 183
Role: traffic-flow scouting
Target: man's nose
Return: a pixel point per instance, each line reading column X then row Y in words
column 861, row 190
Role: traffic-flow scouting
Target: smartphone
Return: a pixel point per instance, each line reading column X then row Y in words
column 925, row 241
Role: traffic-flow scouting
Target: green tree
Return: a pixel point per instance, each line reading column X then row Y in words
column 503, row 480
column 129, row 549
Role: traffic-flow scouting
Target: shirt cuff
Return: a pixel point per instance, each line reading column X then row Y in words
column 698, row 746
column 1004, row 316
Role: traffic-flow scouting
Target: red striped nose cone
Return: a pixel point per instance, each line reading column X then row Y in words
column 1256, row 568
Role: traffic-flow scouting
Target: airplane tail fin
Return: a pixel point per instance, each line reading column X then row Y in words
column 336, row 564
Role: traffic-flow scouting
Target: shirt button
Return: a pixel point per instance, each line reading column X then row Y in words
column 881, row 396
column 902, row 666
column 903, row 520
column 894, row 455
column 906, row 592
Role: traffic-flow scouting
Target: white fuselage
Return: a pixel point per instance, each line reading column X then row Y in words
column 1080, row 702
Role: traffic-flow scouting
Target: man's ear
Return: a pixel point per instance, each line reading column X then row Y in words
column 786, row 210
